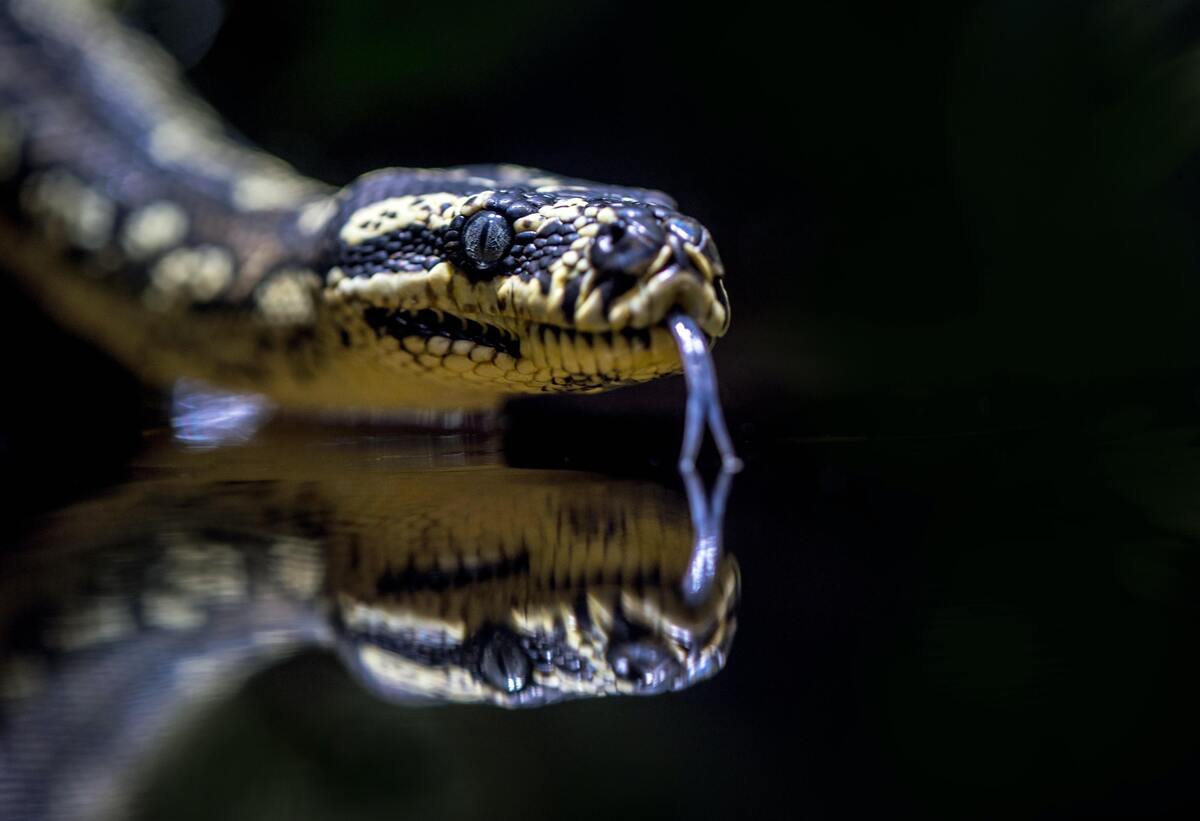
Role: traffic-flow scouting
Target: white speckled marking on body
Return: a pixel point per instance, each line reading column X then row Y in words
column 152, row 229
column 189, row 275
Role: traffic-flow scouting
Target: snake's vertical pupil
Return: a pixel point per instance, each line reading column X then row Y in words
column 486, row 237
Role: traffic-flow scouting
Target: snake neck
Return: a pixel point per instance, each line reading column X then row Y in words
column 106, row 155
column 137, row 221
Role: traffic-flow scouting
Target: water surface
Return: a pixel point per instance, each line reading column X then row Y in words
column 978, row 624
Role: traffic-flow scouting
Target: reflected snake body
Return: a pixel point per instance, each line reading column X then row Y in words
column 134, row 218
column 171, row 590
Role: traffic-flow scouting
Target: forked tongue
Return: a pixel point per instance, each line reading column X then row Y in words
column 703, row 408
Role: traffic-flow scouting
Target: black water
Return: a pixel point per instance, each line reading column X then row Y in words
column 959, row 625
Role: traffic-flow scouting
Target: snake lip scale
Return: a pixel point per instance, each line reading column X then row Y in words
column 426, row 323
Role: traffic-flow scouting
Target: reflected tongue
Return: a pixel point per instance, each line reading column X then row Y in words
column 703, row 403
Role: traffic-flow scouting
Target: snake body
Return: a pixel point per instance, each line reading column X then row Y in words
column 130, row 213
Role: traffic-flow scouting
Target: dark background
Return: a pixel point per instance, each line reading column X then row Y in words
column 962, row 367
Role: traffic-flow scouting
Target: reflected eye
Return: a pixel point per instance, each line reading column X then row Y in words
column 504, row 664
column 645, row 664
column 486, row 238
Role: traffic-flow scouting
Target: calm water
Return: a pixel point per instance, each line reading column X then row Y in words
column 970, row 625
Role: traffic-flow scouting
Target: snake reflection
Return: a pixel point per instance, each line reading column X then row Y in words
column 459, row 581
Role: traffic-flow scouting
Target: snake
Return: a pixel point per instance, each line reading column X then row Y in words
column 137, row 221
column 129, row 612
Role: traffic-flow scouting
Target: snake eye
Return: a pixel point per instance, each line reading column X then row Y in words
column 486, row 238
column 504, row 664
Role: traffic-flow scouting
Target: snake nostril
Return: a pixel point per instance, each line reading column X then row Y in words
column 627, row 246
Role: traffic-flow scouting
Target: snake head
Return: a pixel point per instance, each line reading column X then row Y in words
column 568, row 645
column 510, row 277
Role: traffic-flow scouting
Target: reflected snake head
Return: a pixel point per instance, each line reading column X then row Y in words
column 618, row 643
column 542, row 588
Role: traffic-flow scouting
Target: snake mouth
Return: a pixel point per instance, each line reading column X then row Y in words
column 426, row 324
column 581, row 358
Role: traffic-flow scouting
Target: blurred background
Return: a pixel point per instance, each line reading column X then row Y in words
column 963, row 367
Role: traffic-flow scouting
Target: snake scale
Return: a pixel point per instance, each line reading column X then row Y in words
column 141, row 225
